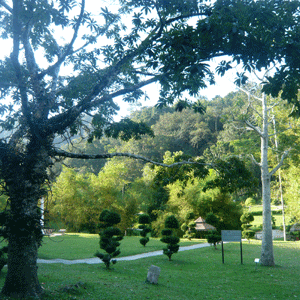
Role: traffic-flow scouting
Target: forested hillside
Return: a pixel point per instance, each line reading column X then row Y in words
column 130, row 186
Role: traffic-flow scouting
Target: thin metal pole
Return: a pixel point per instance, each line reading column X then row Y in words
column 222, row 253
column 241, row 253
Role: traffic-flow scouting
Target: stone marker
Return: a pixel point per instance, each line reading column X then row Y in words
column 153, row 274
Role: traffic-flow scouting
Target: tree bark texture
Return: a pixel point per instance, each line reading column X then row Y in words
column 22, row 280
column 267, row 256
column 25, row 176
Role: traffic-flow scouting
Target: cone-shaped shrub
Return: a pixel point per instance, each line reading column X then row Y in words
column 144, row 220
column 109, row 237
column 169, row 236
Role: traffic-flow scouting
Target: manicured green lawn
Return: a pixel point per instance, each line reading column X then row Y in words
column 195, row 274
column 258, row 220
column 80, row 245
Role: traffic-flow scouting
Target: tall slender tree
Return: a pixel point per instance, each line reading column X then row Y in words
column 261, row 107
column 49, row 84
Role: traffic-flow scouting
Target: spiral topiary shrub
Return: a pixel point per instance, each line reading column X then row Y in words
column 169, row 236
column 246, row 219
column 144, row 221
column 109, row 237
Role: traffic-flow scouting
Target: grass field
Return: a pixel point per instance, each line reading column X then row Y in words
column 80, row 245
column 195, row 274
column 258, row 220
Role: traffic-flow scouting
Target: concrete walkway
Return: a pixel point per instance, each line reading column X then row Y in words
column 96, row 260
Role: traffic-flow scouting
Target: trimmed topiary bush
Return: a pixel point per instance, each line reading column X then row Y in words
column 246, row 219
column 109, row 237
column 250, row 202
column 248, row 234
column 169, row 237
column 213, row 238
column 144, row 220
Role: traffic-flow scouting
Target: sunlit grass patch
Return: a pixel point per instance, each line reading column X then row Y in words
column 80, row 245
column 194, row 274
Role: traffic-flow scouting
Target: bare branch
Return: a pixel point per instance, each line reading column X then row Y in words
column 263, row 77
column 271, row 107
column 132, row 88
column 254, row 160
column 284, row 155
column 57, row 152
column 252, row 107
column 255, row 128
column 281, row 131
column 6, row 6
column 248, row 93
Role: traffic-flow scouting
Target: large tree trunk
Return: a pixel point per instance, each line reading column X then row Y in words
column 25, row 177
column 267, row 256
column 21, row 279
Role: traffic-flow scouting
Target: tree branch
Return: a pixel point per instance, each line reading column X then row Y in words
column 62, row 57
column 6, row 6
column 57, row 152
column 255, row 128
column 109, row 74
column 271, row 107
column 63, row 120
column 281, row 131
column 254, row 160
column 17, row 30
column 7, row 84
column 132, row 88
column 29, row 54
column 284, row 155
column 249, row 94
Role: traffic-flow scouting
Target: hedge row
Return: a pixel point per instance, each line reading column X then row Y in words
column 259, row 213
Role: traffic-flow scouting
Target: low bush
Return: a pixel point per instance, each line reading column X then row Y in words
column 132, row 232
column 256, row 213
column 213, row 238
column 248, row 234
